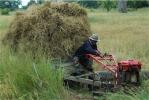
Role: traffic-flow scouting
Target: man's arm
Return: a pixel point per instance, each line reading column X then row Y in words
column 95, row 51
column 90, row 50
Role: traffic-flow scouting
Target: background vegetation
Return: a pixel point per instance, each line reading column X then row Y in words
column 107, row 4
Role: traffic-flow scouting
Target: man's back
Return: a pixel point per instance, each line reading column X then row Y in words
column 89, row 47
column 86, row 48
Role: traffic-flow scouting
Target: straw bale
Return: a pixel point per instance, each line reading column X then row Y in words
column 56, row 30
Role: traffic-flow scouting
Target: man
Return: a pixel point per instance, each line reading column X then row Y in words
column 89, row 47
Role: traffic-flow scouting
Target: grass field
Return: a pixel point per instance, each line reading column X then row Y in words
column 124, row 35
column 4, row 23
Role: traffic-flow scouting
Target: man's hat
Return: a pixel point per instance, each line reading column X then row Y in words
column 94, row 37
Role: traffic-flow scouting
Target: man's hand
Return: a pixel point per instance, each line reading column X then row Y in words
column 99, row 54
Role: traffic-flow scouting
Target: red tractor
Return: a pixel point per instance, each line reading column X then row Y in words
column 124, row 72
column 116, row 73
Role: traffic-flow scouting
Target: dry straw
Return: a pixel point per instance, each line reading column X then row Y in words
column 57, row 30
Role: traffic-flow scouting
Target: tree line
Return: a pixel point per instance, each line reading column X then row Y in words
column 11, row 4
column 122, row 5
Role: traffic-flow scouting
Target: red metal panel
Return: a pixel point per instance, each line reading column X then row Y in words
column 128, row 64
column 113, row 67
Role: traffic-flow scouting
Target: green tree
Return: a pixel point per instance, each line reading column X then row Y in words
column 89, row 3
column 31, row 2
column 137, row 3
column 108, row 4
column 11, row 4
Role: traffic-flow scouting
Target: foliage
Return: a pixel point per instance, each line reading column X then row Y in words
column 137, row 3
column 89, row 3
column 11, row 4
column 5, row 11
column 31, row 2
column 29, row 79
column 108, row 4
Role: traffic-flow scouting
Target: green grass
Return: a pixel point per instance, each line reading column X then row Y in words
column 140, row 93
column 24, row 78
column 124, row 35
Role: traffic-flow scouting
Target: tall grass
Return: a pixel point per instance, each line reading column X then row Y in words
column 22, row 77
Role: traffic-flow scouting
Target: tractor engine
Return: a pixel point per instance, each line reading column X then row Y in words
column 129, row 71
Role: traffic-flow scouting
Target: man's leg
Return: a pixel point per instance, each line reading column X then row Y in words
column 91, row 77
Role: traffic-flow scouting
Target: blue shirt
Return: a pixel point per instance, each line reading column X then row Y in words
column 86, row 48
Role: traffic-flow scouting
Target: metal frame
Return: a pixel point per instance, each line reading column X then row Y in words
column 111, row 64
column 108, row 62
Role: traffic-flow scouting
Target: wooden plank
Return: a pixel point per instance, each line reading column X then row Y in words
column 83, row 80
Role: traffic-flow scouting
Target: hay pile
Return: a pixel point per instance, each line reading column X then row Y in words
column 56, row 30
